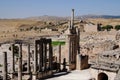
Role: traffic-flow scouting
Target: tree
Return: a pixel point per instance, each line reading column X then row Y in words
column 117, row 27
column 103, row 28
column 107, row 27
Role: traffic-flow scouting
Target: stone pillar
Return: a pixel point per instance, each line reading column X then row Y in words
column 45, row 56
column 33, row 55
column 72, row 52
column 28, row 59
column 78, row 62
column 5, row 66
column 13, row 60
column 50, row 55
column 72, row 19
column 20, row 62
column 60, row 55
column 78, row 39
column 42, row 55
column 35, row 58
column 69, row 50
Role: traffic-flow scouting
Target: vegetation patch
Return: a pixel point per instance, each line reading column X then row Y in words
column 117, row 27
column 1, row 65
column 107, row 27
column 56, row 43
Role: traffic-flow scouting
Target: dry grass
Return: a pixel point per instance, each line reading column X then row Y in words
column 105, row 21
column 9, row 27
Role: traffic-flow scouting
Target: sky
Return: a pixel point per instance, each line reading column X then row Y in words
column 31, row 8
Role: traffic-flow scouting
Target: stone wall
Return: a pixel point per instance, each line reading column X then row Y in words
column 95, row 73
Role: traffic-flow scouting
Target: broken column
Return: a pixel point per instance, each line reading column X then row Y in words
column 20, row 62
column 5, row 66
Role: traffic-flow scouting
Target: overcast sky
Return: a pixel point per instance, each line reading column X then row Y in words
column 28, row 8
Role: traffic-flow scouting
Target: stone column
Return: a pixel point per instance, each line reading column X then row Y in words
column 72, row 19
column 78, row 62
column 50, row 55
column 13, row 60
column 20, row 62
column 35, row 58
column 69, row 50
column 40, row 57
column 45, row 56
column 72, row 52
column 77, row 40
column 5, row 66
column 28, row 59
column 33, row 55
column 60, row 55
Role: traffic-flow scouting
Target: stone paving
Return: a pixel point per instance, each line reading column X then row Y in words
column 74, row 75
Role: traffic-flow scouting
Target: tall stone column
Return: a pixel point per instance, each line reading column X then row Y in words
column 13, row 60
column 28, row 59
column 72, row 19
column 5, row 66
column 20, row 62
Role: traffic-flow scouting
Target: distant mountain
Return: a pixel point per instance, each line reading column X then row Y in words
column 56, row 18
column 99, row 16
column 48, row 18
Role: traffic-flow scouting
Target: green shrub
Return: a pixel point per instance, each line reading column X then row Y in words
column 107, row 27
column 1, row 65
column 55, row 43
column 117, row 27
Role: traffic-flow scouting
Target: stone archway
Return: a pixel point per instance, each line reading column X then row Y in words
column 102, row 76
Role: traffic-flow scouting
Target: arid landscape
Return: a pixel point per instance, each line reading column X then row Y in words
column 92, row 43
column 59, row 40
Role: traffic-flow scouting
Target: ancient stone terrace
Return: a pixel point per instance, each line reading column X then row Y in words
column 108, row 62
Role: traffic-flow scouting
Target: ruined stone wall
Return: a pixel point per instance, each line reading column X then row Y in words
column 84, row 62
column 95, row 73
